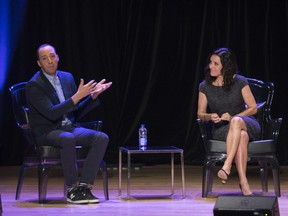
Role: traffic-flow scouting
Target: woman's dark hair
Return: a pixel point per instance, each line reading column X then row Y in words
column 230, row 68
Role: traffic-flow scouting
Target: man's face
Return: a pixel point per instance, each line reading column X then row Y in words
column 48, row 60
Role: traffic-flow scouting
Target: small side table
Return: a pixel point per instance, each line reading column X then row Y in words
column 150, row 150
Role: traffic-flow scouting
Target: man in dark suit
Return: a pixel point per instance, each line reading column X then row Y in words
column 54, row 105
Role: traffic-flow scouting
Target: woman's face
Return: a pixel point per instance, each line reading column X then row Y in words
column 215, row 66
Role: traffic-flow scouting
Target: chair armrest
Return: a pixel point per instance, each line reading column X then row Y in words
column 272, row 128
column 95, row 125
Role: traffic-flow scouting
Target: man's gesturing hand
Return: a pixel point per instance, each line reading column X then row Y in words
column 99, row 88
column 83, row 90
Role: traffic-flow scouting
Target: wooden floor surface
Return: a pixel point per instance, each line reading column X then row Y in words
column 150, row 190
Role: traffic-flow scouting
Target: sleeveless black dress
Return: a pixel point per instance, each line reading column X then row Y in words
column 231, row 101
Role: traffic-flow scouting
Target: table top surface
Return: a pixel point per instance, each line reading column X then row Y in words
column 151, row 149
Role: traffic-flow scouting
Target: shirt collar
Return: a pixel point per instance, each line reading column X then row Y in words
column 50, row 77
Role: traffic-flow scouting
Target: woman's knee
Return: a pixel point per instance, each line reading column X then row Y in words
column 237, row 123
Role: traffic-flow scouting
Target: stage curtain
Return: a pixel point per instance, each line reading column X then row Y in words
column 154, row 52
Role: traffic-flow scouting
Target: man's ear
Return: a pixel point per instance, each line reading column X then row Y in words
column 38, row 62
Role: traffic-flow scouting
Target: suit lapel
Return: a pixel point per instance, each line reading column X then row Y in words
column 48, row 88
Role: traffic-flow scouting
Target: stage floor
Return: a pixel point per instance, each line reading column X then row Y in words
column 150, row 190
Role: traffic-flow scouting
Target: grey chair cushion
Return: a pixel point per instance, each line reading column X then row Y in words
column 254, row 147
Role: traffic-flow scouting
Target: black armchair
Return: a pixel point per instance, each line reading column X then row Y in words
column 262, row 151
column 44, row 157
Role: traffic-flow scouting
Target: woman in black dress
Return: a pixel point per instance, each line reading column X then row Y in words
column 231, row 109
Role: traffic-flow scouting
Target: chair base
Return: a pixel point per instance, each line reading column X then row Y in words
column 263, row 161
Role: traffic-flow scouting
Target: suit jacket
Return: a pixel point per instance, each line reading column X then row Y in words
column 45, row 110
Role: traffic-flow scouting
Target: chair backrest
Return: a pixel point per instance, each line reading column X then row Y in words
column 19, row 104
column 263, row 93
column 20, row 110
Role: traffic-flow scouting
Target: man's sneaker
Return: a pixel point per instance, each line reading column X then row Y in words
column 86, row 191
column 76, row 196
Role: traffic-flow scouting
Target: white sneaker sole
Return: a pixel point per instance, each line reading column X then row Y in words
column 93, row 201
column 77, row 201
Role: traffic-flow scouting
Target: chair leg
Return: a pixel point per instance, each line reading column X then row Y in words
column 264, row 175
column 207, row 178
column 20, row 181
column 205, row 182
column 65, row 189
column 210, row 177
column 43, row 173
column 276, row 180
column 103, row 169
column 275, row 172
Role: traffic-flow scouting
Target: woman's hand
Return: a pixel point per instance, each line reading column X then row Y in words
column 215, row 118
column 226, row 117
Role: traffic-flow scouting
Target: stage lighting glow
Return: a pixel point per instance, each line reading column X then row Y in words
column 4, row 14
column 11, row 17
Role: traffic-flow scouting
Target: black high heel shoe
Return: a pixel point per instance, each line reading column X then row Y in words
column 223, row 175
column 252, row 194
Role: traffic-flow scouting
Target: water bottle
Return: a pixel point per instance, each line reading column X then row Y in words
column 142, row 137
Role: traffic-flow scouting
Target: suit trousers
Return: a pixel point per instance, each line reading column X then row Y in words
column 69, row 136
